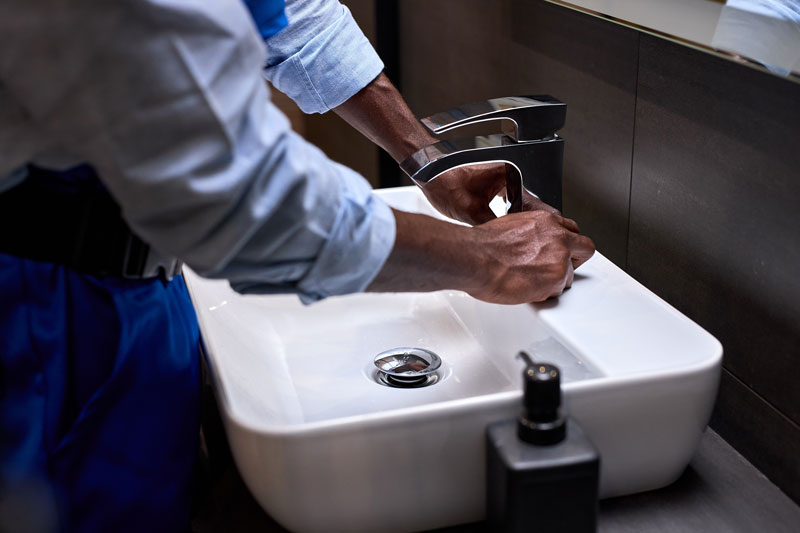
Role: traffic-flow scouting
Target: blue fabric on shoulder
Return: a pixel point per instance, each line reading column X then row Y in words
column 269, row 16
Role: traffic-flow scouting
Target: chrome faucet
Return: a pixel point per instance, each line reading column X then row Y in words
column 528, row 145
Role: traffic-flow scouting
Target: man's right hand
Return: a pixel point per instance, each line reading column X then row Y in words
column 532, row 256
column 518, row 258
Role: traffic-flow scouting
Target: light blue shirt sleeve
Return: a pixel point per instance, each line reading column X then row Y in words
column 322, row 58
column 167, row 100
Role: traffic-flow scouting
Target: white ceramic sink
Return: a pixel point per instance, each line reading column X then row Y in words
column 324, row 447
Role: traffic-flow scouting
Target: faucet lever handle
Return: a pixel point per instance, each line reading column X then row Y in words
column 525, row 118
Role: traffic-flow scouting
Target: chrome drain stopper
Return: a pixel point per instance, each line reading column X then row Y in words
column 407, row 367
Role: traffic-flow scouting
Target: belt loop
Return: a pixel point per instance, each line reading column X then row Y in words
column 135, row 256
column 86, row 206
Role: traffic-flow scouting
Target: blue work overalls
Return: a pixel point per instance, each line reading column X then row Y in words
column 99, row 390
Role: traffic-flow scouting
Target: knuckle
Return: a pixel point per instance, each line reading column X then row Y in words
column 540, row 215
column 586, row 244
column 557, row 271
column 551, row 217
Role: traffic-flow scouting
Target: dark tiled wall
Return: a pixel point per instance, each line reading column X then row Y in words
column 715, row 230
column 684, row 168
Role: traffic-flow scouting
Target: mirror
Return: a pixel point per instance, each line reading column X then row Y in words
column 764, row 34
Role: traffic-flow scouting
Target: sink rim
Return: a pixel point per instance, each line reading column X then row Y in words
column 427, row 411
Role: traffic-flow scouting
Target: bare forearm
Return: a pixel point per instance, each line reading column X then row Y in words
column 524, row 257
column 428, row 255
column 379, row 112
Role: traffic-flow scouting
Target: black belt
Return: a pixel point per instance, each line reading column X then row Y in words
column 69, row 218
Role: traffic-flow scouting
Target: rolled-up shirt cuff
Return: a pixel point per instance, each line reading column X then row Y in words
column 359, row 244
column 332, row 67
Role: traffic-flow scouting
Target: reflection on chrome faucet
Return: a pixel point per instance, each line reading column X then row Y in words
column 528, row 145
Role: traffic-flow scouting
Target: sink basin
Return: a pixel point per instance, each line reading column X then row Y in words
column 324, row 446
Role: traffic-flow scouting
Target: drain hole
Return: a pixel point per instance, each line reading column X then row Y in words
column 388, row 381
column 407, row 368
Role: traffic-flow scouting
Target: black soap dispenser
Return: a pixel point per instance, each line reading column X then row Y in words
column 542, row 470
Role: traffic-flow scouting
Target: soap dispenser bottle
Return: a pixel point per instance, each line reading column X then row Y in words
column 542, row 470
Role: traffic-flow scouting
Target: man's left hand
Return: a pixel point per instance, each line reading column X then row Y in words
column 464, row 193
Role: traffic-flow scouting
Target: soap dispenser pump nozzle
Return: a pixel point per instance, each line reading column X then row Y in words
column 541, row 420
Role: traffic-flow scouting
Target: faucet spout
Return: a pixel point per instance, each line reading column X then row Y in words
column 535, row 165
column 523, row 118
column 529, row 146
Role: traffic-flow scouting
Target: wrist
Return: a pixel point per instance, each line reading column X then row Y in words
column 415, row 138
column 408, row 137
column 429, row 255
column 480, row 264
column 380, row 113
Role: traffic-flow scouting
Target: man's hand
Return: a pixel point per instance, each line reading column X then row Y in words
column 532, row 256
column 464, row 193
column 518, row 258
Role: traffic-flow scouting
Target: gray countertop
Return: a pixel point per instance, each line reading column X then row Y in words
column 719, row 491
